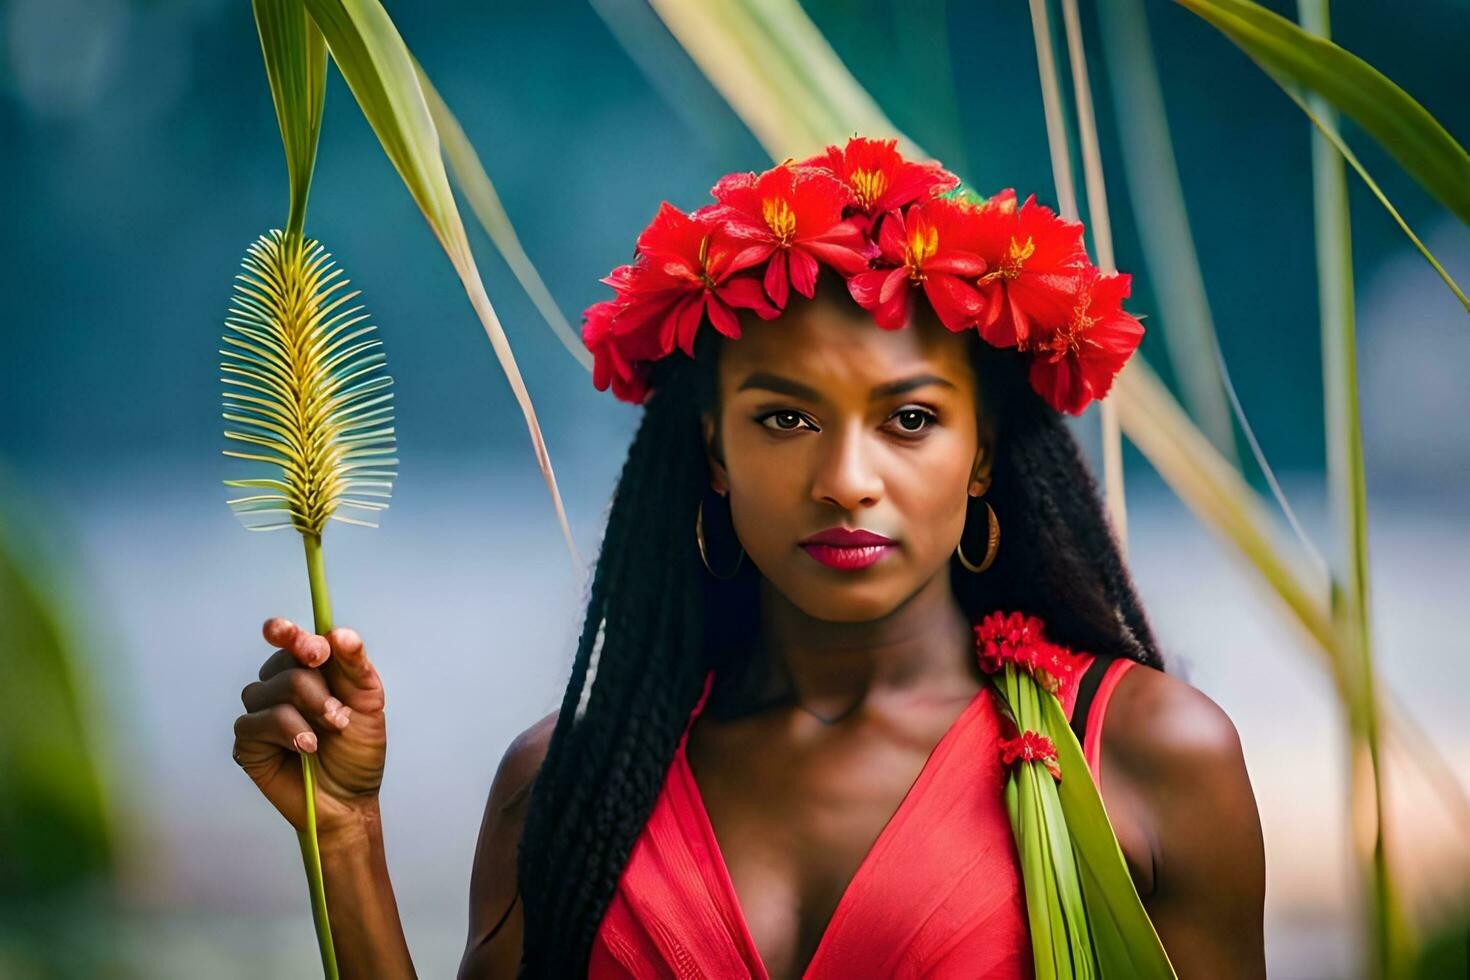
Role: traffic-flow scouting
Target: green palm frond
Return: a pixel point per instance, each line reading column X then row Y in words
column 306, row 392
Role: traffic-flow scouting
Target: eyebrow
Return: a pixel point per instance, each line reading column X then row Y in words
column 767, row 381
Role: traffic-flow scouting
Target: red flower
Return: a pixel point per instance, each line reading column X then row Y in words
column 793, row 216
column 1077, row 362
column 1015, row 638
column 610, row 364
column 934, row 244
column 1031, row 746
column 880, row 178
column 1053, row 669
column 1035, row 258
column 1018, row 639
column 686, row 268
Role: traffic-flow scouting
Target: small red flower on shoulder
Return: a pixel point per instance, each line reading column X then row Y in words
column 1034, row 260
column 1077, row 362
column 1002, row 638
column 792, row 216
column 1031, row 746
column 880, row 179
column 933, row 245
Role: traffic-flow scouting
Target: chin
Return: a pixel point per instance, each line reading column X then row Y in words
column 838, row 602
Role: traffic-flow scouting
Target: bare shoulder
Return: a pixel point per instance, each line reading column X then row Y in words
column 493, row 948
column 1156, row 720
column 510, row 789
column 1187, row 786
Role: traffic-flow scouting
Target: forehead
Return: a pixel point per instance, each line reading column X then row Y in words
column 833, row 345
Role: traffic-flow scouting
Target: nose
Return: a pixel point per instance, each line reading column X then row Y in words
column 845, row 476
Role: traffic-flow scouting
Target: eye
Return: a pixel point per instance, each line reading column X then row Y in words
column 913, row 421
column 786, row 420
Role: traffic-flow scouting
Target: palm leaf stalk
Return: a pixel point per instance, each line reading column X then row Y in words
column 1084, row 913
column 306, row 393
column 305, row 390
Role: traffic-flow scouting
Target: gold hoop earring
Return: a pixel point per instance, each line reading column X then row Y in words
column 703, row 553
column 992, row 544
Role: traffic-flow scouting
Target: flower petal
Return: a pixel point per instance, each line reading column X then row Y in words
column 803, row 271
column 865, row 287
column 777, row 282
column 723, row 318
column 747, row 293
column 956, row 302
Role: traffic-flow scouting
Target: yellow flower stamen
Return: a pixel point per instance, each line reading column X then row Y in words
column 1010, row 266
column 704, row 262
column 779, row 218
column 1068, row 338
column 922, row 246
column 868, row 186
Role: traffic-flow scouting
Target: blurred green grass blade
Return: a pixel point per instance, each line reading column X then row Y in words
column 766, row 57
column 1355, row 88
column 1348, row 493
column 379, row 70
column 475, row 185
column 296, row 67
column 1162, row 220
column 56, row 826
column 1127, row 943
column 1329, row 132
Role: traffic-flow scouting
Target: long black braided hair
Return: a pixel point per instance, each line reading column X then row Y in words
column 657, row 622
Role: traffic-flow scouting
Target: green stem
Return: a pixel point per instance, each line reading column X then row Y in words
column 1348, row 490
column 321, row 609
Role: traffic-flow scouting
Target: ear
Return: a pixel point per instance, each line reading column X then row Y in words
column 719, row 480
column 984, row 458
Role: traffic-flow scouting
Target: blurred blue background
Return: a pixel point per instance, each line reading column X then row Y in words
column 141, row 156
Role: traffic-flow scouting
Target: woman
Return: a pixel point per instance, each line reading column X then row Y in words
column 810, row 651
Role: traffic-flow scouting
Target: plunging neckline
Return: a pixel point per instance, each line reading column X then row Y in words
column 864, row 869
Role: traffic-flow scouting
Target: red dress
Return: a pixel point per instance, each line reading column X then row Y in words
column 938, row 894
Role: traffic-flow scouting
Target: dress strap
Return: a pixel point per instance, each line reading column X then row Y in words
column 1086, row 691
column 709, row 680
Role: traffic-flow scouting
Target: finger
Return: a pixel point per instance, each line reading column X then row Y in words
column 277, row 662
column 349, row 670
column 309, row 649
column 263, row 734
column 350, row 654
column 306, row 690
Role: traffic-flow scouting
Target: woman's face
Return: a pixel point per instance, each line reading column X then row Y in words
column 828, row 421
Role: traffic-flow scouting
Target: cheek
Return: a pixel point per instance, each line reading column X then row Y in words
column 765, row 483
column 931, row 503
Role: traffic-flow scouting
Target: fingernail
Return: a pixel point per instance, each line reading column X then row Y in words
column 305, row 742
column 335, row 711
column 317, row 650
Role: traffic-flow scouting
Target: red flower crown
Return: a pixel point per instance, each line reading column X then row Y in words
column 892, row 228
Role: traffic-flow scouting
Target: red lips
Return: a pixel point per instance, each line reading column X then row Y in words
column 841, row 548
column 841, row 537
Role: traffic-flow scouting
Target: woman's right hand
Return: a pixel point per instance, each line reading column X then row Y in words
column 319, row 695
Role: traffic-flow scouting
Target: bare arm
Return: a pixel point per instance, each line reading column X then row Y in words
column 1181, row 760
column 493, row 948
column 366, row 931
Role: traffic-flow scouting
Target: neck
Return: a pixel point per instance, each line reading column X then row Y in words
column 830, row 667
